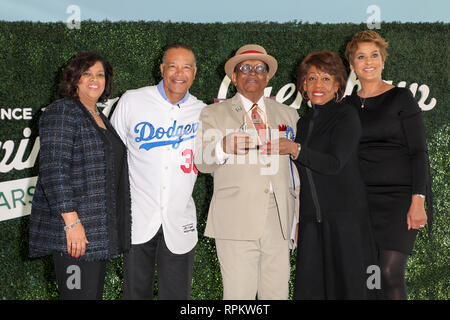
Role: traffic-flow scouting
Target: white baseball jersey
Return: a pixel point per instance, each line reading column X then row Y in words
column 160, row 140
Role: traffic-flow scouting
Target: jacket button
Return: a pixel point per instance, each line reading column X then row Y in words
column 268, row 165
column 266, row 190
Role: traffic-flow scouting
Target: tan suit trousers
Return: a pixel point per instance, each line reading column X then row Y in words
column 257, row 268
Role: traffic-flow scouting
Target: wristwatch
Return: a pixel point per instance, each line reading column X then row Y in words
column 420, row 195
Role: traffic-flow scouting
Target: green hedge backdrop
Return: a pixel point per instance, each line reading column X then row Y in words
column 32, row 56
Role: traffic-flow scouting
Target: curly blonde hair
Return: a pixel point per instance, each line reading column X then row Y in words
column 366, row 36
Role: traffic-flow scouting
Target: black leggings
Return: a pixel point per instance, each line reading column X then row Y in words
column 393, row 265
column 79, row 280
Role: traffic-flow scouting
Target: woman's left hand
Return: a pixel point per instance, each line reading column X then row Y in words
column 280, row 146
column 417, row 217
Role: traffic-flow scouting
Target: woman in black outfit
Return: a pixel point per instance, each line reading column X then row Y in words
column 81, row 210
column 334, row 242
column 393, row 159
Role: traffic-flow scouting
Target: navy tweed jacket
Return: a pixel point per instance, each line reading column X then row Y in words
column 72, row 177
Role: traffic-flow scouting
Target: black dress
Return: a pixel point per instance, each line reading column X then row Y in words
column 394, row 164
column 335, row 244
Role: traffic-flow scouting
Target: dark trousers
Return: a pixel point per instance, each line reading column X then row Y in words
column 79, row 280
column 174, row 271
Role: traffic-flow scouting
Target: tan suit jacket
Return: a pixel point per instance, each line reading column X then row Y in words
column 241, row 186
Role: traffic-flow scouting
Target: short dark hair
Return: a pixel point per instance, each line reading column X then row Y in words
column 366, row 36
column 76, row 67
column 325, row 61
column 177, row 45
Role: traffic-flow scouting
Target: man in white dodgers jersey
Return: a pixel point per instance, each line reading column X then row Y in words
column 158, row 125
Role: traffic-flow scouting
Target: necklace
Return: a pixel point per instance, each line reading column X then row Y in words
column 362, row 102
column 379, row 88
column 94, row 112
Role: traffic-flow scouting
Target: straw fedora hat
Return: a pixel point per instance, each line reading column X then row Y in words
column 251, row 52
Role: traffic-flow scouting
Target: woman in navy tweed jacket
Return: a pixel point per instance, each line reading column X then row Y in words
column 81, row 211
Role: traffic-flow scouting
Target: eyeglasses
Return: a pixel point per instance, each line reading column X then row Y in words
column 259, row 69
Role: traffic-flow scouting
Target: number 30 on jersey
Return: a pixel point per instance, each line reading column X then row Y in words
column 189, row 157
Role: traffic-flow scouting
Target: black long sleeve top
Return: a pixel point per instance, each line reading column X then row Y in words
column 393, row 149
column 393, row 153
column 329, row 136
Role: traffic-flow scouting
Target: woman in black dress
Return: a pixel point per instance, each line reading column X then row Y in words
column 334, row 242
column 393, row 159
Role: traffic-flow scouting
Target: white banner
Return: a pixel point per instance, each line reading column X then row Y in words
column 16, row 197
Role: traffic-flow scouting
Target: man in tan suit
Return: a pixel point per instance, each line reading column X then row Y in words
column 254, row 200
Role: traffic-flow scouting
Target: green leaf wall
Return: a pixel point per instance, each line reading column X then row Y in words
column 32, row 56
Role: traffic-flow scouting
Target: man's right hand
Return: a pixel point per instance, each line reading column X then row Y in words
column 237, row 143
